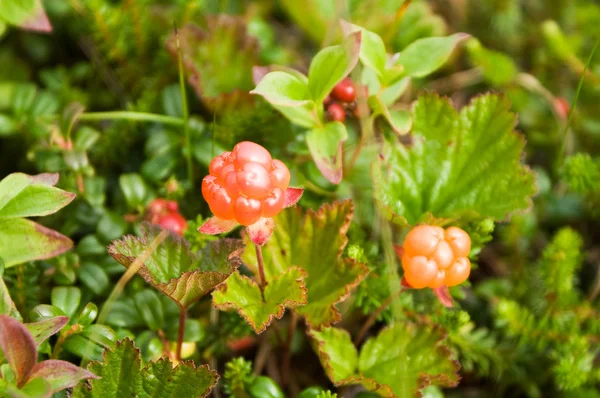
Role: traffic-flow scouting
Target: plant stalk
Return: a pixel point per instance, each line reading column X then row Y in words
column 181, row 331
column 133, row 116
column 261, row 271
column 186, row 114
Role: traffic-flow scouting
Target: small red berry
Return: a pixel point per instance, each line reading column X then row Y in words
column 344, row 91
column 336, row 112
column 327, row 100
column 157, row 206
column 172, row 206
column 172, row 221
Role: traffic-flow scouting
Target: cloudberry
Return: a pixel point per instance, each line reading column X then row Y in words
column 246, row 184
column 434, row 257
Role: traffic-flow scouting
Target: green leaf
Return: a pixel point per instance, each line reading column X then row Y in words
column 325, row 144
column 181, row 275
column 42, row 330
column 60, row 374
column 16, row 11
column 150, row 308
column 399, row 362
column 67, row 298
column 22, row 195
column 399, row 120
column 122, row 375
column 7, row 305
column 425, row 56
column 298, row 241
column 372, row 48
column 498, row 68
column 331, row 65
column 243, row 294
column 288, row 94
column 134, row 189
column 23, row 240
column 459, row 164
column 281, row 88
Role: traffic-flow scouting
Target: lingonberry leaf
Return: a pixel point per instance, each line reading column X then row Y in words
column 178, row 273
column 60, row 374
column 122, row 375
column 331, row 65
column 22, row 195
column 325, row 144
column 455, row 156
column 399, row 362
column 243, row 294
column 425, row 56
column 7, row 305
column 42, row 330
column 18, row 348
column 314, row 242
column 372, row 49
column 22, row 240
column 287, row 91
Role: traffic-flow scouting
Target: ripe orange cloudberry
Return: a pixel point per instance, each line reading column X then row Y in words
column 247, row 186
column 435, row 258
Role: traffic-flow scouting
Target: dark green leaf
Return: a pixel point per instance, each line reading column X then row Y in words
column 150, row 308
column 67, row 298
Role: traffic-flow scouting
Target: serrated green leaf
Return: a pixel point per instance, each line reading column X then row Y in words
column 22, row 240
column 243, row 294
column 122, row 375
column 325, row 144
column 459, row 164
column 400, row 361
column 372, row 48
column 425, row 56
column 22, row 195
column 330, row 65
column 299, row 240
column 181, row 275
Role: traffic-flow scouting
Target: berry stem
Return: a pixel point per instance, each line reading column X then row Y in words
column 181, row 331
column 373, row 317
column 261, row 271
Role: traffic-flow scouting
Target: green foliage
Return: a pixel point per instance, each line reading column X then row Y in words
column 424, row 56
column 237, row 377
column 582, row 174
column 23, row 240
column 244, row 295
column 122, row 373
column 168, row 265
column 297, row 243
column 427, row 178
column 404, row 345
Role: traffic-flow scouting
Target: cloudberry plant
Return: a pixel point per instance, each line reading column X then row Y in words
column 247, row 186
column 433, row 257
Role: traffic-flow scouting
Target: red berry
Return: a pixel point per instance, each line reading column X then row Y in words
column 157, row 206
column 327, row 100
column 336, row 112
column 344, row 91
column 246, row 184
column 434, row 258
column 561, row 107
column 172, row 206
column 173, row 221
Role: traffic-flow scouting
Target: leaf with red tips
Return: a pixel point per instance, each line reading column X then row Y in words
column 261, row 231
column 38, row 21
column 314, row 241
column 292, row 196
column 215, row 226
column 60, row 374
column 443, row 295
column 42, row 330
column 18, row 348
